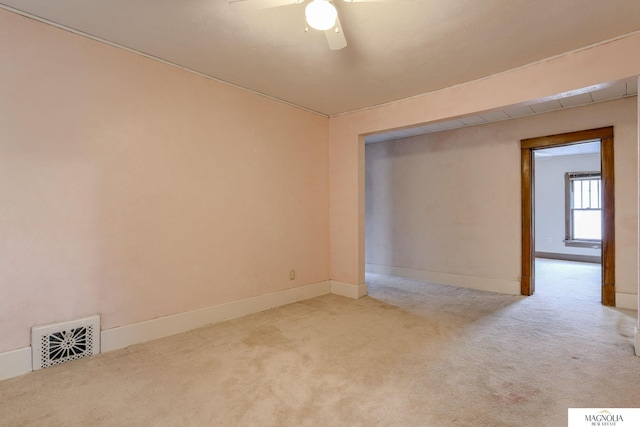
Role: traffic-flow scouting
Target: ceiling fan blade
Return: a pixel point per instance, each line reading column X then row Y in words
column 372, row 1
column 335, row 37
column 261, row 4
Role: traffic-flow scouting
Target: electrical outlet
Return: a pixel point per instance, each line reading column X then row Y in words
column 292, row 275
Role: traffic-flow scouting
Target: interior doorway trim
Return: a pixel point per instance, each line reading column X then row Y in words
column 527, row 146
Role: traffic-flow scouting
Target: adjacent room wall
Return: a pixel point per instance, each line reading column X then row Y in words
column 550, row 202
column 446, row 206
column 134, row 189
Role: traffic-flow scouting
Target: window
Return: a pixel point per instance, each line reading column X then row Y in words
column 583, row 203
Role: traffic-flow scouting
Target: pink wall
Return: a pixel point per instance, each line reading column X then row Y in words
column 603, row 63
column 135, row 189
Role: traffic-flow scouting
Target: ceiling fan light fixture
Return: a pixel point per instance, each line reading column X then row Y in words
column 321, row 15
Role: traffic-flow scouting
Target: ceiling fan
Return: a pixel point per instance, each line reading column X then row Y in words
column 320, row 15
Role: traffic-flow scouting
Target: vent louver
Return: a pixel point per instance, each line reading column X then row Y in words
column 62, row 342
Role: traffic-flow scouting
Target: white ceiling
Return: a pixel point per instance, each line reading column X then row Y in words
column 395, row 49
column 586, row 147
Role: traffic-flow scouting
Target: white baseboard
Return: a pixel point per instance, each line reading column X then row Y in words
column 629, row 301
column 136, row 333
column 15, row 362
column 18, row 362
column 481, row 283
column 348, row 290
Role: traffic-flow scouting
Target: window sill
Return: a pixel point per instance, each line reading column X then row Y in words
column 593, row 244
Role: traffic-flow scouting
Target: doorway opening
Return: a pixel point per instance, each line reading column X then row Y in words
column 589, row 211
column 568, row 221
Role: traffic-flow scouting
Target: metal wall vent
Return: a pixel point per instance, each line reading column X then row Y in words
column 61, row 342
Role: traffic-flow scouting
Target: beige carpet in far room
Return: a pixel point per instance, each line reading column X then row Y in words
column 410, row 354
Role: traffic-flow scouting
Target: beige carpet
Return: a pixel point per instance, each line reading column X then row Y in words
column 410, row 354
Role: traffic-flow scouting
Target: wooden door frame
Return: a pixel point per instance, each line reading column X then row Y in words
column 527, row 146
